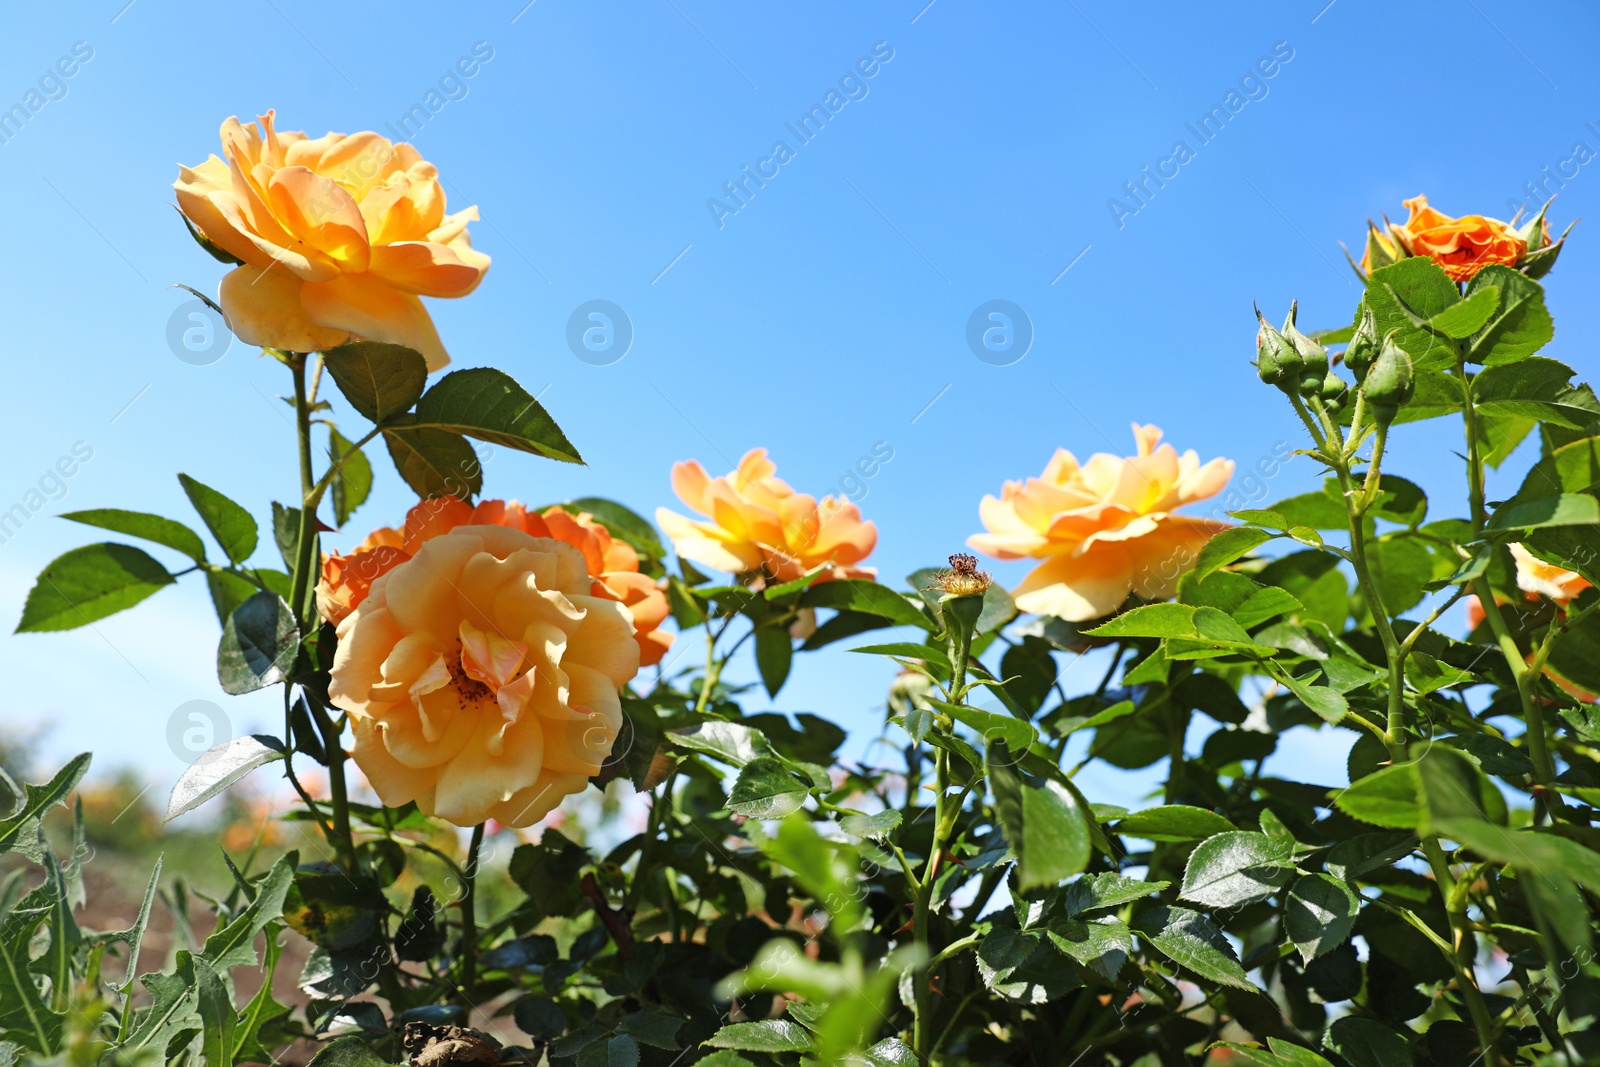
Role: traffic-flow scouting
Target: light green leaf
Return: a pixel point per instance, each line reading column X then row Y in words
column 142, row 524
column 1387, row 798
column 1235, row 868
column 1520, row 325
column 1536, row 388
column 233, row 944
column 89, row 583
column 1173, row 822
column 767, row 1035
column 1042, row 820
column 727, row 741
column 766, row 790
column 1190, row 940
column 1467, row 318
column 19, row 831
column 991, row 726
column 1228, row 546
column 228, row 522
column 218, row 768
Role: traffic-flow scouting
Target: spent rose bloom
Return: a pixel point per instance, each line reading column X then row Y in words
column 757, row 522
column 481, row 676
column 340, row 235
column 612, row 564
column 1462, row 246
column 1104, row 528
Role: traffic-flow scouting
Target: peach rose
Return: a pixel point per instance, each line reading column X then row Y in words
column 759, row 523
column 340, row 235
column 481, row 676
column 613, row 564
column 1536, row 576
column 1104, row 528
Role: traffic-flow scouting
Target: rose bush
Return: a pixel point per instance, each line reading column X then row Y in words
column 947, row 895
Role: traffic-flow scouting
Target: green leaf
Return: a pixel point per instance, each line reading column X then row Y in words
column 726, row 741
column 1401, row 566
column 219, row 767
column 992, row 726
column 1318, row 914
column 233, row 944
column 1105, row 890
column 24, row 1016
column 1152, row 620
column 19, row 831
column 1021, row 966
column 1387, row 798
column 767, row 1035
column 867, row 596
column 1520, row 325
column 1228, row 546
column 259, row 644
column 228, row 591
column 1320, row 511
column 1190, row 940
column 1499, row 436
column 217, row 1017
column 1042, row 821
column 1368, row 1043
column 1435, row 393
column 1426, row 674
column 89, row 583
column 1356, row 856
column 1328, row 703
column 878, row 824
column 766, row 790
column 434, row 462
column 1529, row 851
column 1234, row 868
column 1173, row 822
column 1566, row 509
column 625, row 525
column 353, row 481
column 774, row 654
column 1399, row 500
column 1451, row 787
column 228, row 522
column 1265, row 603
column 929, row 654
column 378, row 379
column 1277, row 1054
column 262, row 1010
column 1536, row 388
column 1402, row 293
column 1571, row 468
column 141, row 524
column 1102, row 945
column 1462, row 320
column 347, row 1051
column 487, row 404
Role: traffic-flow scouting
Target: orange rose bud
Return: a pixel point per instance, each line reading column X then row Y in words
column 346, row 580
column 1104, row 528
column 758, row 523
column 336, row 236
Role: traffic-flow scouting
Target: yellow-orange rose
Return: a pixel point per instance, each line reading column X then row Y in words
column 481, row 676
column 613, row 564
column 757, row 522
column 1534, row 575
column 1104, row 528
column 340, row 235
column 1462, row 246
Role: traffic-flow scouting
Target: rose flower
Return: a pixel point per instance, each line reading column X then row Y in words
column 1462, row 246
column 1537, row 579
column 1104, row 528
column 757, row 522
column 339, row 236
column 481, row 676
column 613, row 564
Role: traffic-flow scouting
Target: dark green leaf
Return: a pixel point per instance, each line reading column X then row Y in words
column 1536, row 388
column 1173, row 822
column 353, row 481
column 991, row 726
column 487, row 404
column 89, row 583
column 1042, row 820
column 1318, row 914
column 259, row 644
column 625, row 525
column 774, row 654
column 1520, row 325
column 1368, row 1043
column 1190, row 940
column 378, row 379
column 767, row 1035
column 1387, row 798
column 865, row 595
column 1235, row 868
column 1106, row 890
column 434, row 462
column 233, row 944
column 1102, row 945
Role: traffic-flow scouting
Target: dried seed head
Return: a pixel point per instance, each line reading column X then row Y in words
column 963, row 578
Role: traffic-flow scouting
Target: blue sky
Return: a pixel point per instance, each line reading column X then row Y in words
column 978, row 162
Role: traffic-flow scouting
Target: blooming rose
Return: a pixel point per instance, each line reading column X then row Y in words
column 1534, row 575
column 481, row 676
column 1104, row 528
column 758, row 522
column 339, row 236
column 1462, row 246
column 613, row 564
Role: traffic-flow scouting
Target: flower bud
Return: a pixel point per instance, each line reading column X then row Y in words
column 1333, row 390
column 1389, row 383
column 1277, row 362
column 1363, row 346
column 1313, row 357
